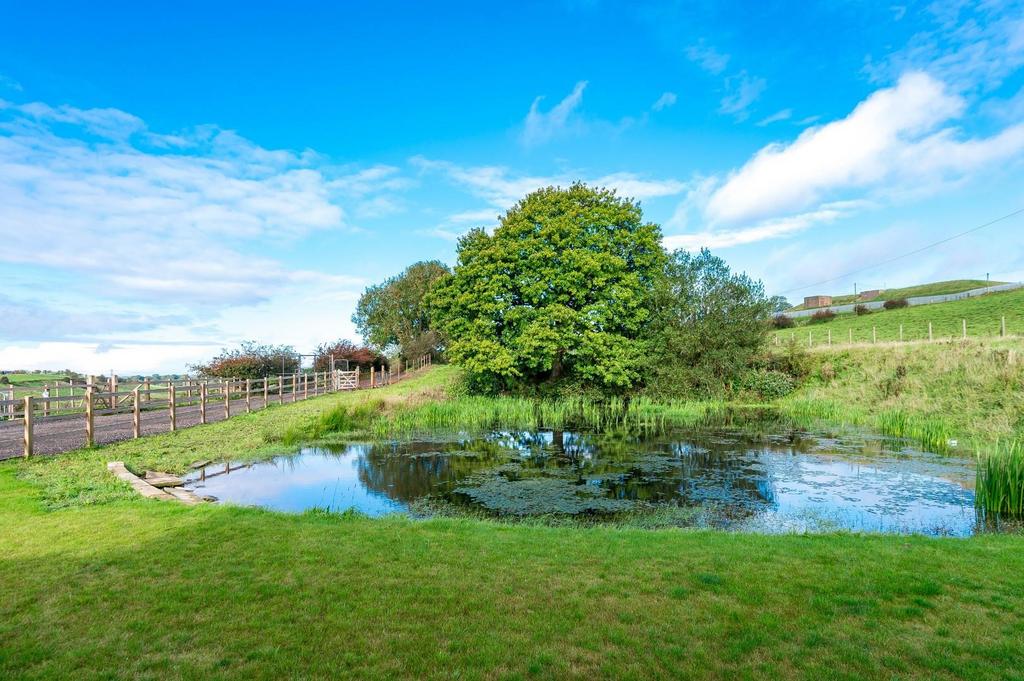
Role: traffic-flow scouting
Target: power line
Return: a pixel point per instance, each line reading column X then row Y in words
column 908, row 254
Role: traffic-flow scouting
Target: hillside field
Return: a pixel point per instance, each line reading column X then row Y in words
column 983, row 315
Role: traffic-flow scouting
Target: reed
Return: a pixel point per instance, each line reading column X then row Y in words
column 999, row 487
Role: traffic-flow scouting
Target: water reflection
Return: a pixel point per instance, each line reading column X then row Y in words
column 772, row 479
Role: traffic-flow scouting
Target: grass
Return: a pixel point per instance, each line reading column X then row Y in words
column 937, row 288
column 96, row 582
column 983, row 315
column 1000, row 485
column 972, row 392
column 146, row 589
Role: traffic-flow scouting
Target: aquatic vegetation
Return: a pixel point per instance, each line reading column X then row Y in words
column 999, row 488
column 541, row 495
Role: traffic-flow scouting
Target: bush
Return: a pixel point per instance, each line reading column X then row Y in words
column 781, row 321
column 895, row 304
column 357, row 356
column 252, row 360
column 822, row 316
column 4, row 380
column 861, row 310
column 768, row 383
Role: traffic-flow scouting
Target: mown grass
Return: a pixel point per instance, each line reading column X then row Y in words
column 147, row 589
column 936, row 288
column 983, row 315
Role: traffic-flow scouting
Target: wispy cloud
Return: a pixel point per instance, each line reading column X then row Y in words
column 742, row 90
column 540, row 127
column 89, row 185
column 783, row 115
column 8, row 83
column 707, row 58
column 666, row 100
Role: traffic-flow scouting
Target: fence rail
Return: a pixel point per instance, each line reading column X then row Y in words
column 228, row 396
column 817, row 336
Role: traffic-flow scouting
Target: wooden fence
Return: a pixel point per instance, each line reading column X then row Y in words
column 825, row 337
column 92, row 399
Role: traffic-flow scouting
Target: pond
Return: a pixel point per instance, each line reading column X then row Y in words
column 792, row 480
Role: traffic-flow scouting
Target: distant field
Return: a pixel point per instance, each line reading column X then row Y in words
column 937, row 288
column 982, row 313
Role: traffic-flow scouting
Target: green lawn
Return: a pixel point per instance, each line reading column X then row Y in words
column 147, row 589
column 983, row 315
column 98, row 583
column 937, row 288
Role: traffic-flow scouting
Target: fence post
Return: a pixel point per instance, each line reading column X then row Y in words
column 1002, row 326
column 171, row 404
column 145, row 382
column 90, row 431
column 901, row 333
column 305, row 386
column 874, row 335
column 136, row 414
column 929, row 331
column 225, row 387
column 29, row 407
column 266, row 391
column 280, row 389
column 202, row 402
column 965, row 329
column 851, row 336
column 810, row 338
column 248, row 395
column 830, row 336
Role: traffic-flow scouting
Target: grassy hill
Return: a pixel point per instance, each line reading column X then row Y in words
column 983, row 315
column 936, row 288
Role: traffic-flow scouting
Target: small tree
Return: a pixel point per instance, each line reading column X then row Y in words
column 781, row 321
column 779, row 304
column 395, row 314
column 822, row 316
column 709, row 324
column 895, row 304
column 343, row 351
column 861, row 310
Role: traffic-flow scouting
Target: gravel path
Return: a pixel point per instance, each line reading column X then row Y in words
column 65, row 433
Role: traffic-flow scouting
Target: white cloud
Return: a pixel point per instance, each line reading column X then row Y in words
column 503, row 189
column 707, row 58
column 540, row 127
column 782, row 115
column 178, row 224
column 768, row 229
column 890, row 138
column 666, row 100
column 742, row 90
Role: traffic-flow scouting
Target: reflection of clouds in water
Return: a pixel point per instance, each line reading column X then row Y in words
column 789, row 479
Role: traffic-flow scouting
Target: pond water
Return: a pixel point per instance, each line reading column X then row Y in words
column 790, row 481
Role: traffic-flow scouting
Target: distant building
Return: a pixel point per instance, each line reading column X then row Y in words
column 817, row 301
column 869, row 295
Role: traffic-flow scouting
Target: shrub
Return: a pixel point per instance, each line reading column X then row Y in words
column 861, row 310
column 4, row 380
column 781, row 321
column 822, row 316
column 357, row 356
column 895, row 304
column 768, row 383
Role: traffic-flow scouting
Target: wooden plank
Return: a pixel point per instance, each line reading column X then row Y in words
column 29, row 408
column 137, row 483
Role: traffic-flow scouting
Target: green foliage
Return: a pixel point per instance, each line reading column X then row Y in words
column 860, row 310
column 346, row 353
column 561, row 289
column 822, row 316
column 779, row 304
column 251, row 360
column 709, row 325
column 768, row 383
column 395, row 314
column 781, row 321
column 999, row 487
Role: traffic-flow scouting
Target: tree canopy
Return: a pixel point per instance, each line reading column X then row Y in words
column 345, row 350
column 251, row 360
column 561, row 289
column 709, row 324
column 394, row 315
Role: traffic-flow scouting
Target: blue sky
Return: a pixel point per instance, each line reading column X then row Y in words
column 176, row 178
